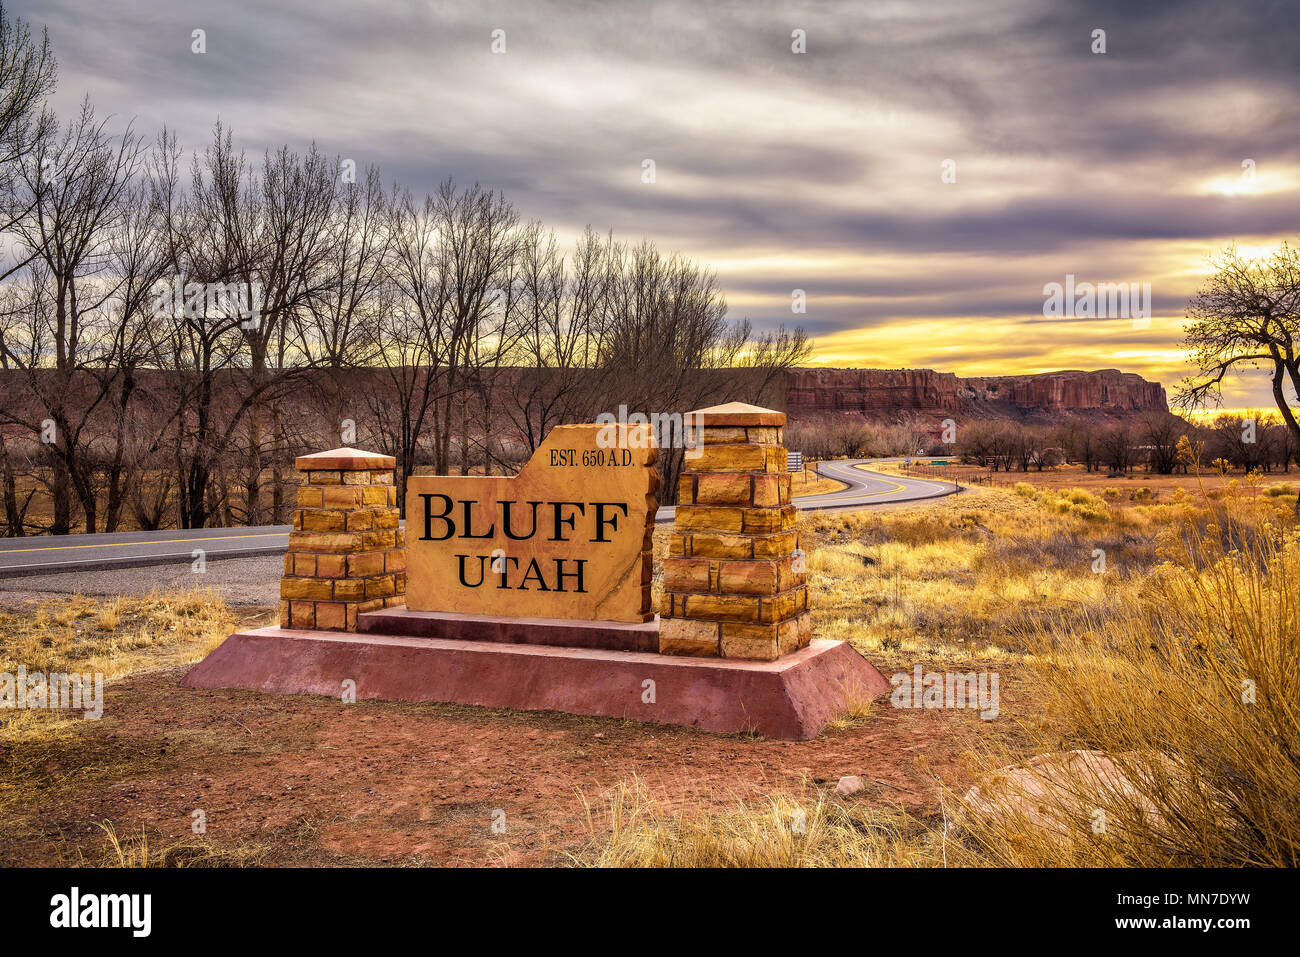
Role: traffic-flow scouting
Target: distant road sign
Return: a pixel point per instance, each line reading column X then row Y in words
column 795, row 462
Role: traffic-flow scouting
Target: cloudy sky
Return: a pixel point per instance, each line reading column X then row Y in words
column 819, row 171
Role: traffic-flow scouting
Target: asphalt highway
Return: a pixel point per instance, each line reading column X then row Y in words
column 49, row 555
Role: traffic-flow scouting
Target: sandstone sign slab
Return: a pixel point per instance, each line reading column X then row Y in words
column 568, row 537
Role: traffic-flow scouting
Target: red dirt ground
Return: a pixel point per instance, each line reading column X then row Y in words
column 298, row 780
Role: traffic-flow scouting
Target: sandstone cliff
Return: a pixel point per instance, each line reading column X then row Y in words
column 897, row 394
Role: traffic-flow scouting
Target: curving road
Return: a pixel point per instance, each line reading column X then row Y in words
column 865, row 488
column 870, row 488
column 46, row 555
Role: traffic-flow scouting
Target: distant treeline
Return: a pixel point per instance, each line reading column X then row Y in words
column 1255, row 441
column 133, row 464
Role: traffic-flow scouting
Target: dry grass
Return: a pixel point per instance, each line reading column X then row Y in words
column 1192, row 684
column 810, row 483
column 1136, row 486
column 43, row 749
column 952, row 578
column 1177, row 661
column 112, row 637
column 633, row 829
column 136, row 852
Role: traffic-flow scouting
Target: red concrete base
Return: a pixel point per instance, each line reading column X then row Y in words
column 789, row 699
column 566, row 632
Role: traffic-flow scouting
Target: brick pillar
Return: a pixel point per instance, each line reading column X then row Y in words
column 346, row 552
column 733, row 585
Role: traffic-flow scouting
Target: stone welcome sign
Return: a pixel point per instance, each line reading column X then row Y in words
column 570, row 536
column 533, row 591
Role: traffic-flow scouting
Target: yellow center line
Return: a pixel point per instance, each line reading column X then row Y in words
column 887, row 491
column 867, row 468
column 169, row 541
column 855, row 495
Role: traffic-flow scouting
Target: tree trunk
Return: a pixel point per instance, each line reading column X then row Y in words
column 253, row 483
column 13, row 518
column 277, row 463
column 62, row 497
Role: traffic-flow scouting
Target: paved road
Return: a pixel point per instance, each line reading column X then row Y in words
column 864, row 488
column 870, row 488
column 48, row 555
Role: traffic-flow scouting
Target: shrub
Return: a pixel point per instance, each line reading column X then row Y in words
column 1190, row 687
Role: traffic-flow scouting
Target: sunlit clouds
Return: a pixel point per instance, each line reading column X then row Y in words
column 818, row 171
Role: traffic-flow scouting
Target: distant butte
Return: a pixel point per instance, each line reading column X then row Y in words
column 896, row 394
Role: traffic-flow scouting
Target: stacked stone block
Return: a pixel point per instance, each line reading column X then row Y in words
column 346, row 552
column 735, row 584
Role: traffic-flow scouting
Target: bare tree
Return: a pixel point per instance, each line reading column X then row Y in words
column 1160, row 433
column 1118, row 450
column 1239, row 439
column 74, row 297
column 209, row 235
column 139, row 264
column 27, row 75
column 338, row 329
column 559, row 316
column 413, row 360
column 477, row 239
column 295, row 243
column 1247, row 316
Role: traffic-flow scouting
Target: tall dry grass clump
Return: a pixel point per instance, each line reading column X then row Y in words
column 134, row 851
column 634, row 829
column 115, row 636
column 1189, row 689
